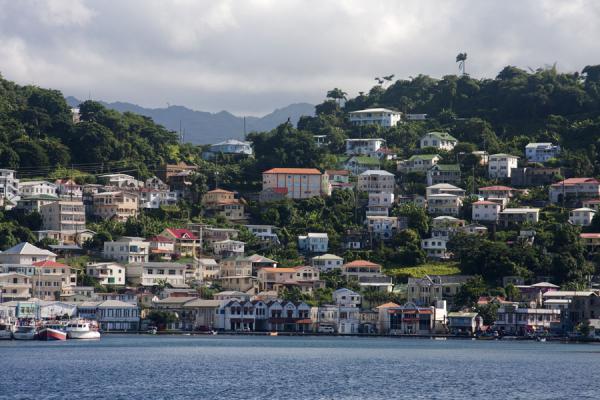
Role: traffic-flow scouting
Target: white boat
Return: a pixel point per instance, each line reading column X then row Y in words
column 25, row 332
column 81, row 330
column 6, row 330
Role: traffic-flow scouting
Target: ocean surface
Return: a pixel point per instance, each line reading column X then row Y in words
column 236, row 367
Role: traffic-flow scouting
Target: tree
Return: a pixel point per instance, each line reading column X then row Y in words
column 162, row 318
column 470, row 291
column 461, row 59
column 337, row 95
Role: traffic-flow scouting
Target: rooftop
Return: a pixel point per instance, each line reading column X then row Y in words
column 295, row 171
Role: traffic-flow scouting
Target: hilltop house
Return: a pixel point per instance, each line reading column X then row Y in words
column 501, row 165
column 375, row 116
column 541, row 152
column 366, row 147
column 418, row 163
column 231, row 147
column 224, row 203
column 574, row 189
column 313, row 242
column 443, row 173
column 439, row 140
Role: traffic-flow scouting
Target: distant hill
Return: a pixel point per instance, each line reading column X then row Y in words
column 203, row 127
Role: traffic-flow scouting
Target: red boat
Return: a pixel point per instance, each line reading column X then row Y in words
column 52, row 332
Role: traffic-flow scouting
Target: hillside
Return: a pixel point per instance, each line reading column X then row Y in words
column 203, row 127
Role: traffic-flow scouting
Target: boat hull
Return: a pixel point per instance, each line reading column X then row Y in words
column 5, row 335
column 52, row 334
column 23, row 335
column 83, row 335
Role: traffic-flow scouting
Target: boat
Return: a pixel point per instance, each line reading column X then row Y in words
column 6, row 330
column 52, row 332
column 25, row 332
column 81, row 330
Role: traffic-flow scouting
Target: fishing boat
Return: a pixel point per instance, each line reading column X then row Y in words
column 52, row 332
column 81, row 330
column 25, row 332
column 6, row 330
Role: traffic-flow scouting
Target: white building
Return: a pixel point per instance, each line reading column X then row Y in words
column 444, row 204
column 581, row 216
column 34, row 188
column 313, row 242
column 541, row 152
column 418, row 163
column 106, row 273
column 296, row 183
column 574, row 189
column 444, row 188
column 435, row 247
column 229, row 146
column 25, row 254
column 375, row 116
column 500, row 165
column 152, row 273
column 264, row 232
column 366, row 147
column 439, row 140
column 346, row 297
column 120, row 180
column 228, row 248
column 380, row 204
column 327, row 262
column 127, row 250
column 519, row 216
column 9, row 188
column 485, row 211
column 383, row 227
column 376, row 181
column 63, row 215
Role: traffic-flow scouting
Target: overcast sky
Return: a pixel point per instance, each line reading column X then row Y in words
column 252, row 56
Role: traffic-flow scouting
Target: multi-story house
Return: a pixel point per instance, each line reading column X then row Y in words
column 50, row 279
column 228, row 248
column 162, row 248
column 575, row 189
column 266, row 233
column 106, row 273
column 498, row 192
column 236, row 274
column 232, row 147
column 418, row 163
column 517, row 320
column 155, row 198
column 518, row 216
column 119, row 206
column 120, row 181
column 306, row 278
column 383, row 227
column 581, row 216
column 327, row 262
column 186, row 242
column 112, row 315
column 591, row 241
column 224, row 203
column 534, row 176
column 444, row 204
column 359, row 269
column 63, row 215
column 68, row 188
column 34, row 203
column 376, row 181
column 541, row 152
column 14, row 286
column 364, row 147
column 346, row 297
column 375, row 116
column 431, row 288
column 313, row 242
column 339, row 179
column 583, row 307
column 9, row 188
column 34, row 188
column 297, row 183
column 443, row 173
column 486, row 211
column 336, row 318
column 206, row 270
column 439, row 140
column 167, row 171
column 380, row 204
column 153, row 273
column 359, row 164
column 25, row 254
column 501, row 165
column 444, row 188
column 127, row 250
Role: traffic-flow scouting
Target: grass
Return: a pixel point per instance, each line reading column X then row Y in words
column 420, row 271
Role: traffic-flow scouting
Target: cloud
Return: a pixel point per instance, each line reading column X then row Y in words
column 253, row 56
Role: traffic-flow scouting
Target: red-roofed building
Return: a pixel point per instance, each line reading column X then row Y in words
column 574, row 189
column 300, row 183
column 162, row 247
column 361, row 268
column 590, row 240
column 486, row 211
column 185, row 241
column 594, row 204
column 50, row 279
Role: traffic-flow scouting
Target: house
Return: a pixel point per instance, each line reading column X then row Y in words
column 306, row 278
column 443, row 173
column 541, row 152
column 340, row 319
column 501, row 165
column 313, row 242
column 321, row 140
column 259, row 262
column 25, row 254
column 375, row 116
column 106, row 273
column 591, row 241
column 265, row 233
column 326, row 262
column 202, row 314
column 418, row 163
column 534, row 176
column 118, row 206
column 297, row 183
column 236, row 274
column 9, row 187
column 581, row 216
column 574, row 189
column 228, row 248
column 407, row 319
column 518, row 216
column 431, row 288
column 435, row 248
column 583, row 307
column 161, row 247
column 380, row 204
column 439, row 140
column 14, row 286
column 444, row 188
column 153, row 273
column 35, row 188
column 346, row 297
column 384, row 153
column 120, row 181
column 485, row 210
column 376, row 181
column 355, row 240
column 364, row 147
column 112, row 315
column 63, row 215
column 339, row 179
column 497, row 192
column 517, row 320
column 383, row 227
column 168, row 171
column 445, row 226
column 51, row 278
column 474, row 229
column 155, row 198
column 127, row 249
column 484, row 156
column 186, row 242
column 464, row 323
column 361, row 269
column 206, row 270
column 231, row 147
column 34, row 203
column 594, row 204
column 223, row 202
column 155, row 183
column 444, row 204
column 359, row 164
column 68, row 188
column 74, row 238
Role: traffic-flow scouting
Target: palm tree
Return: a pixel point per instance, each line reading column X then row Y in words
column 337, row 94
column 379, row 80
column 461, row 59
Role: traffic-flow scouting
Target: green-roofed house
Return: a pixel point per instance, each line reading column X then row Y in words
column 418, row 163
column 439, row 140
column 443, row 173
column 359, row 164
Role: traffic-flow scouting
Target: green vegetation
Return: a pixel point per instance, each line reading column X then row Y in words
column 402, row 274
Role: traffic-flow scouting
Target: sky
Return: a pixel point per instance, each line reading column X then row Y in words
column 252, row 56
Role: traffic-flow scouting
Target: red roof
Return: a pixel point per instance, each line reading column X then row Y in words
column 495, row 188
column 179, row 233
column 161, row 239
column 219, row 191
column 48, row 263
column 337, row 172
column 361, row 263
column 589, row 235
column 576, row 181
column 293, row 171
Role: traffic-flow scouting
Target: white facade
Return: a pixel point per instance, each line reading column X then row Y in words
column 231, row 146
column 439, row 140
column 9, row 187
column 327, row 262
column 25, row 254
column 228, row 248
column 575, row 188
column 541, row 152
column 485, row 211
column 127, row 250
column 444, row 204
column 376, row 181
column 347, row 297
column 581, row 216
column 107, row 273
column 500, row 165
column 152, row 273
column 375, row 116
column 313, row 242
column 382, row 227
column 34, row 188
column 435, row 248
column 367, row 147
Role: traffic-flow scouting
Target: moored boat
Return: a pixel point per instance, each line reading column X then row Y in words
column 25, row 332
column 81, row 330
column 6, row 330
column 52, row 332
